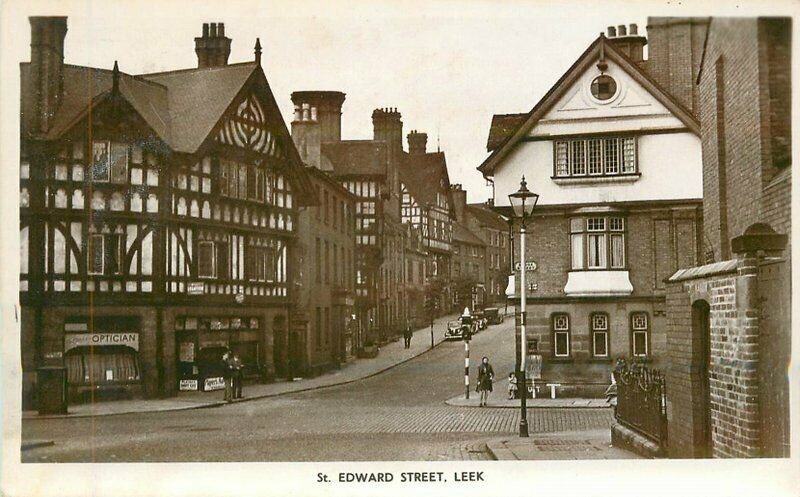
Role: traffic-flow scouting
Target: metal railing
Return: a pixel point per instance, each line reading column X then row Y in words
column 641, row 400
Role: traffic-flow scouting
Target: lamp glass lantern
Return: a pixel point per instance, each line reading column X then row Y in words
column 523, row 201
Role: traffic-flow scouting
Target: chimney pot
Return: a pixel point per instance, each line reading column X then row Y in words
column 313, row 113
column 612, row 31
column 633, row 29
column 622, row 30
column 205, row 30
column 297, row 112
column 221, row 29
column 305, row 112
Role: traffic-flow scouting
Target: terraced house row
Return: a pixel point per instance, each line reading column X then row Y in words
column 168, row 217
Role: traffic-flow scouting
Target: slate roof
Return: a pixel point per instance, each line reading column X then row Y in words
column 503, row 126
column 354, row 157
column 462, row 234
column 182, row 106
column 487, row 217
column 422, row 175
column 198, row 98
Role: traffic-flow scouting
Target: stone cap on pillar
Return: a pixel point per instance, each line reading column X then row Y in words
column 759, row 237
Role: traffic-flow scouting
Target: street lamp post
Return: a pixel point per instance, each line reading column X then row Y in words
column 523, row 202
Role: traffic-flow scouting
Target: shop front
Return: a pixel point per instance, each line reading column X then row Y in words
column 201, row 342
column 101, row 357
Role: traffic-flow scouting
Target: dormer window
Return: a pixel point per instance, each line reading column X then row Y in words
column 595, row 156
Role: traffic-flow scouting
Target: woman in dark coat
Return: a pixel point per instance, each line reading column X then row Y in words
column 485, row 379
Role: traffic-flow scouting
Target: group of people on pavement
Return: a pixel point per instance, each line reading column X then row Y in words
column 232, row 372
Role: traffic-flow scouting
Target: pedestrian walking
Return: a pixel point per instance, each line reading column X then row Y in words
column 228, row 369
column 485, row 379
column 407, row 336
column 238, row 376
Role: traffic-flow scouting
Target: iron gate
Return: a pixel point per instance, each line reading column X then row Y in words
column 641, row 400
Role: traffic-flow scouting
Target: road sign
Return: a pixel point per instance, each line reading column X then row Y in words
column 529, row 266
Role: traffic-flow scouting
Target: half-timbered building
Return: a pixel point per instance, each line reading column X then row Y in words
column 158, row 214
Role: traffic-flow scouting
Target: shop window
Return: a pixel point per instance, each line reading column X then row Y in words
column 639, row 334
column 101, row 365
column 599, row 322
column 561, row 335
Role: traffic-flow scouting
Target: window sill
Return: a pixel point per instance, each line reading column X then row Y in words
column 622, row 178
column 560, row 360
column 602, row 359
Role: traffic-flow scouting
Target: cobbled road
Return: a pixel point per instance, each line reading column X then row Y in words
column 397, row 415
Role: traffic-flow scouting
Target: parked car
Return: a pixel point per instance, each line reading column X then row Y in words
column 454, row 330
column 493, row 315
column 480, row 320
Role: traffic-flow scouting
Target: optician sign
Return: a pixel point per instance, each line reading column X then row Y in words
column 529, row 266
column 73, row 340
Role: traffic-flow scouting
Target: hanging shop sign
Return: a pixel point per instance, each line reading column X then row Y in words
column 217, row 383
column 529, row 266
column 73, row 340
column 187, row 385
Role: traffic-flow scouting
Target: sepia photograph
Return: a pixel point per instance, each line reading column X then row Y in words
column 378, row 237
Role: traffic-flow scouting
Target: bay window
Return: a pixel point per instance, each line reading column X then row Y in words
column 597, row 243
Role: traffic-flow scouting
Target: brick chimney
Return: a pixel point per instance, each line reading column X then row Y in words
column 459, row 200
column 213, row 48
column 388, row 127
column 306, row 134
column 417, row 142
column 628, row 41
column 47, row 68
column 327, row 106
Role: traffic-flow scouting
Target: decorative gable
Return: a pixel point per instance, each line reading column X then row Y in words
column 625, row 105
column 248, row 129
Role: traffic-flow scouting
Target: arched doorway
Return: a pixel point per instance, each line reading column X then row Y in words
column 701, row 331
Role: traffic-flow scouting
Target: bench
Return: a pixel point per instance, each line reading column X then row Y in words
column 553, row 387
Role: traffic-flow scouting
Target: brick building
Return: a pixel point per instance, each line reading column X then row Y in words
column 322, row 327
column 493, row 230
column 616, row 160
column 468, row 268
column 728, row 321
column 158, row 215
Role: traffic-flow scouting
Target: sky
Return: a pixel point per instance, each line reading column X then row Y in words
column 446, row 65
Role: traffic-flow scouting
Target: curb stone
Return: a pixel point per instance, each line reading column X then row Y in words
column 220, row 403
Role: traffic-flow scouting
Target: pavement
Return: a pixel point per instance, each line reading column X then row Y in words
column 390, row 355
column 499, row 398
column 571, row 445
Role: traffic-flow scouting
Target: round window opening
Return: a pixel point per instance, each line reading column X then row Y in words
column 603, row 87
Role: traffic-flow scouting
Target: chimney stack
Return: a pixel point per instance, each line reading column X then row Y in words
column 326, row 107
column 388, row 127
column 47, row 68
column 417, row 142
column 628, row 42
column 459, row 200
column 213, row 48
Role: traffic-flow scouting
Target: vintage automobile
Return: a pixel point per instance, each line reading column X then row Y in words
column 493, row 315
column 454, row 330
column 480, row 320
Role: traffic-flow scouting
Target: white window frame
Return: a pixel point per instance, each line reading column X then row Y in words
column 599, row 329
column 213, row 259
column 561, row 329
column 567, row 151
column 636, row 330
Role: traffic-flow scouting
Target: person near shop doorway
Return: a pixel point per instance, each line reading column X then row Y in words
column 228, row 370
column 485, row 379
column 238, row 376
column 407, row 336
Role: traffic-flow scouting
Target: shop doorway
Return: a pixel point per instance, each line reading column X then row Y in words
column 279, row 355
column 701, row 330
